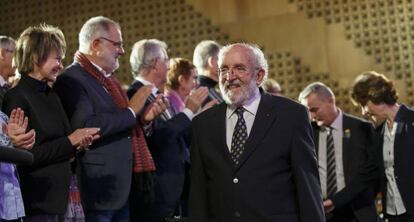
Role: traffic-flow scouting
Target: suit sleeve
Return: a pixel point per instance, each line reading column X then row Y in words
column 198, row 190
column 83, row 113
column 173, row 128
column 44, row 152
column 305, row 171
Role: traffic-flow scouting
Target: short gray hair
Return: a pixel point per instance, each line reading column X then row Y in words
column 144, row 52
column 93, row 28
column 259, row 57
column 319, row 88
column 6, row 41
column 202, row 52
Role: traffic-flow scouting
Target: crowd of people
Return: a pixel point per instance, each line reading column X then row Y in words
column 209, row 140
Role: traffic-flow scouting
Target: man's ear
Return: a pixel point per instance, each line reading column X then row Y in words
column 260, row 76
column 94, row 45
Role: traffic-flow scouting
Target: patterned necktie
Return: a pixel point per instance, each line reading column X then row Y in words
column 331, row 187
column 239, row 137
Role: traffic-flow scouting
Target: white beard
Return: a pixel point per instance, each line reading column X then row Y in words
column 233, row 98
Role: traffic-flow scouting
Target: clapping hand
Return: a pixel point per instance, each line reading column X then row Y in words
column 16, row 130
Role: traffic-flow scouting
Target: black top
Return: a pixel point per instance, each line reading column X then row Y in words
column 45, row 184
column 211, row 85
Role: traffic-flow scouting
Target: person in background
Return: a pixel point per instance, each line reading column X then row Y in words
column 150, row 64
column 205, row 59
column 45, row 184
column 7, row 48
column 92, row 96
column 377, row 97
column 342, row 142
column 11, row 201
column 181, row 80
column 272, row 86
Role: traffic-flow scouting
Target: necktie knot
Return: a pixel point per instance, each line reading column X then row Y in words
column 239, row 111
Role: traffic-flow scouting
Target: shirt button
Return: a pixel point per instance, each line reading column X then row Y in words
column 237, row 214
column 235, row 180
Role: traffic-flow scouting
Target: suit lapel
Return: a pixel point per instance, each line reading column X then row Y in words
column 265, row 116
column 316, row 130
column 219, row 124
column 346, row 144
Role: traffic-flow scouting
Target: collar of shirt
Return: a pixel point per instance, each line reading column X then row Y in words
column 251, row 106
column 102, row 70
column 337, row 123
column 390, row 133
column 146, row 83
column 2, row 81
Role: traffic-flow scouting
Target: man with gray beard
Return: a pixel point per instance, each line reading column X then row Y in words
column 252, row 157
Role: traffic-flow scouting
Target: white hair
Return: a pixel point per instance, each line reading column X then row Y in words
column 93, row 28
column 319, row 88
column 203, row 51
column 144, row 52
column 258, row 55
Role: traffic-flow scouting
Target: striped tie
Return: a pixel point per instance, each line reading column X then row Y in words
column 331, row 187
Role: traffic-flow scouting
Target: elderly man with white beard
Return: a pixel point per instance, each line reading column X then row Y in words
column 252, row 157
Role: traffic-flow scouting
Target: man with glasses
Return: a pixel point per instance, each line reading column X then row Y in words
column 167, row 139
column 252, row 157
column 92, row 97
column 7, row 47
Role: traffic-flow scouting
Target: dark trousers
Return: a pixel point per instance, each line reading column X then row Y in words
column 119, row 215
column 44, row 218
column 399, row 218
column 343, row 214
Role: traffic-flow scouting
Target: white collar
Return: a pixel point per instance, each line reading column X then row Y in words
column 102, row 70
column 251, row 106
column 146, row 83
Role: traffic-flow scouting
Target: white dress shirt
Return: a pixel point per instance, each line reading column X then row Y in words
column 395, row 205
column 249, row 115
column 337, row 133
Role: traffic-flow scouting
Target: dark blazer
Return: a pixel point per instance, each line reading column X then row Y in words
column 403, row 158
column 277, row 179
column 168, row 150
column 211, row 85
column 357, row 136
column 45, row 184
column 105, row 169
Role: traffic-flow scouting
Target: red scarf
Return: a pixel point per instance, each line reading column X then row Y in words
column 143, row 161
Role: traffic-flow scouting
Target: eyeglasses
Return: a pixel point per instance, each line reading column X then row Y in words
column 238, row 70
column 114, row 43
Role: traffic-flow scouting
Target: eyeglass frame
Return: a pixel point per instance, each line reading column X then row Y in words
column 116, row 44
column 238, row 70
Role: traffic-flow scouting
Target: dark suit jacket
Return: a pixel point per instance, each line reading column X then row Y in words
column 403, row 158
column 104, row 170
column 211, row 85
column 277, row 178
column 357, row 136
column 45, row 184
column 168, row 150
